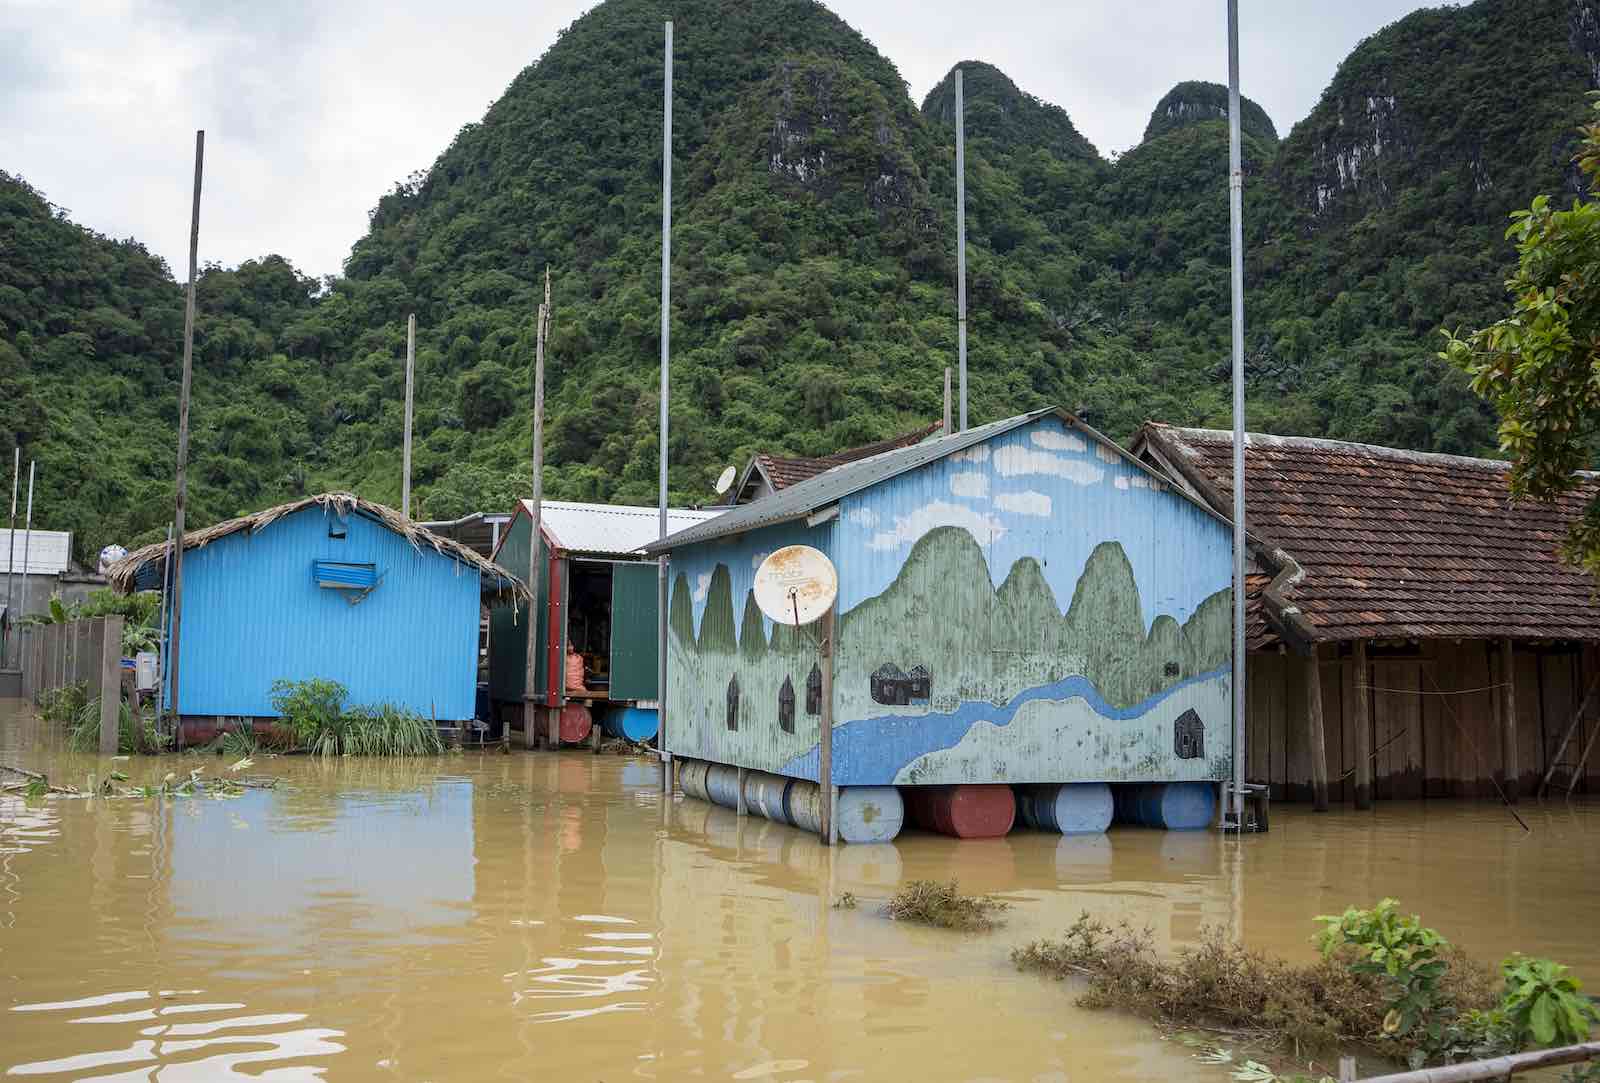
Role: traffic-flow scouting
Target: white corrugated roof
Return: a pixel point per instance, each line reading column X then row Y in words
column 615, row 529
column 49, row 551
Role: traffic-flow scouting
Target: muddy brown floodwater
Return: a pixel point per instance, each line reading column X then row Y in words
column 536, row 916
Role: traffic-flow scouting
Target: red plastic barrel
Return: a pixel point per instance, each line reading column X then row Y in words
column 966, row 811
column 575, row 723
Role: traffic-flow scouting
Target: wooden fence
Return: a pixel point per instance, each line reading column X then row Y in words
column 86, row 652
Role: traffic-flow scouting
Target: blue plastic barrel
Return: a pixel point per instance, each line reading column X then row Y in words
column 1176, row 806
column 722, row 785
column 1072, row 808
column 633, row 723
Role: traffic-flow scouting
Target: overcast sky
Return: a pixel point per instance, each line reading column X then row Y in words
column 313, row 110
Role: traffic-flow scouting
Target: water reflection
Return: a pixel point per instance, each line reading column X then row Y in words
column 508, row 916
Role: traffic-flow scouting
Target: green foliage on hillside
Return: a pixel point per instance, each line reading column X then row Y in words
column 813, row 288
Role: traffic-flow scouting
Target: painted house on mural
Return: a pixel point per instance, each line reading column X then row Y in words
column 1405, row 601
column 331, row 586
column 1018, row 603
column 600, row 594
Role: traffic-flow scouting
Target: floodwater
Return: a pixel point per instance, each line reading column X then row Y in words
column 538, row 916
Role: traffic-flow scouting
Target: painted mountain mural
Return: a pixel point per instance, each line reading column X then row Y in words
column 941, row 664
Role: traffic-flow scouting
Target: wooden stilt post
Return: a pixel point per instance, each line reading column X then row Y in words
column 1361, row 719
column 1508, row 718
column 1314, row 734
column 825, row 738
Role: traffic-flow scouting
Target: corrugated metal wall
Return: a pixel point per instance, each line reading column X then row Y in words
column 252, row 614
column 1033, row 609
column 635, row 631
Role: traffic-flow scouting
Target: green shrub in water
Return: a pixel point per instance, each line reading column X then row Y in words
column 314, row 710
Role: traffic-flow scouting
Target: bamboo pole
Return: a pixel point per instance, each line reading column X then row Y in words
column 183, row 422
column 1495, row 1067
column 1572, row 729
column 411, row 368
column 1363, row 725
column 1315, row 734
column 530, row 728
column 1508, row 718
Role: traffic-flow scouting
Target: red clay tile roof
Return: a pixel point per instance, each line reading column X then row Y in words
column 784, row 472
column 1397, row 544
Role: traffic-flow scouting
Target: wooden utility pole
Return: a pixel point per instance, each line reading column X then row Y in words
column 411, row 368
column 1508, row 718
column 1314, row 734
column 183, row 421
column 1360, row 718
column 530, row 729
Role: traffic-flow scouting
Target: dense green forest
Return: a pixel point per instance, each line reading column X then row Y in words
column 814, row 265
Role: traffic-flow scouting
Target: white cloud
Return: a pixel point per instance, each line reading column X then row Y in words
column 1058, row 441
column 702, row 585
column 757, row 558
column 908, row 528
column 969, row 484
column 978, row 454
column 862, row 516
column 1015, row 461
column 1139, row 481
column 1027, row 502
column 1106, row 454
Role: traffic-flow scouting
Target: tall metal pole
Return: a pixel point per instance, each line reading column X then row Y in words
column 411, row 368
column 530, row 729
column 961, row 240
column 666, row 349
column 11, row 533
column 27, row 538
column 183, row 424
column 946, row 431
column 1236, row 245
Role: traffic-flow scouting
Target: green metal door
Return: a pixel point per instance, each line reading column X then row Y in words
column 634, row 656
column 508, row 627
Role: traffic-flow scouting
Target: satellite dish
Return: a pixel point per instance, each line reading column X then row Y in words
column 796, row 585
column 725, row 480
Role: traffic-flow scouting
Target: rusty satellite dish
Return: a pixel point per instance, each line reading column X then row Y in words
column 796, row 585
column 725, row 480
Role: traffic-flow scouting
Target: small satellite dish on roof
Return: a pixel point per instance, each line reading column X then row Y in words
column 796, row 585
column 725, row 480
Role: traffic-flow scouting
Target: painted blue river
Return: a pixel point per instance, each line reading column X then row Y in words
column 862, row 748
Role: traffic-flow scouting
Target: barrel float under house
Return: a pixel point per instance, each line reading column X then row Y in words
column 333, row 587
column 600, row 596
column 1019, row 604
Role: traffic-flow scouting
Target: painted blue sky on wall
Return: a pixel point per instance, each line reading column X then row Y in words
column 1043, row 491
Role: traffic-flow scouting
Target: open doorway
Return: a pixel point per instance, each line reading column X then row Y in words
column 589, row 616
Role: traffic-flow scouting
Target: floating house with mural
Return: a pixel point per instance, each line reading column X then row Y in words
column 1021, row 603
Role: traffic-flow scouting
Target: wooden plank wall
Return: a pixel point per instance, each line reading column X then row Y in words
column 1435, row 717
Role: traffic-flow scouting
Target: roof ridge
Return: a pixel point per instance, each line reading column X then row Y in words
column 1324, row 443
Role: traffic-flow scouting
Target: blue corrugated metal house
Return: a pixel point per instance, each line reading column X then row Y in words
column 332, row 586
column 1022, row 602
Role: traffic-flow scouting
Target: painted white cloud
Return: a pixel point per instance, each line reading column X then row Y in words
column 978, row 454
column 1106, row 454
column 1138, row 481
column 1058, row 441
column 702, row 585
column 1027, row 502
column 862, row 516
column 757, row 558
column 970, row 484
column 908, row 528
column 1016, row 461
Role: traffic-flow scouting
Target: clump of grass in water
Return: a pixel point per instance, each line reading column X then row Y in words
column 1321, row 1006
column 315, row 712
column 135, row 735
column 943, row 906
